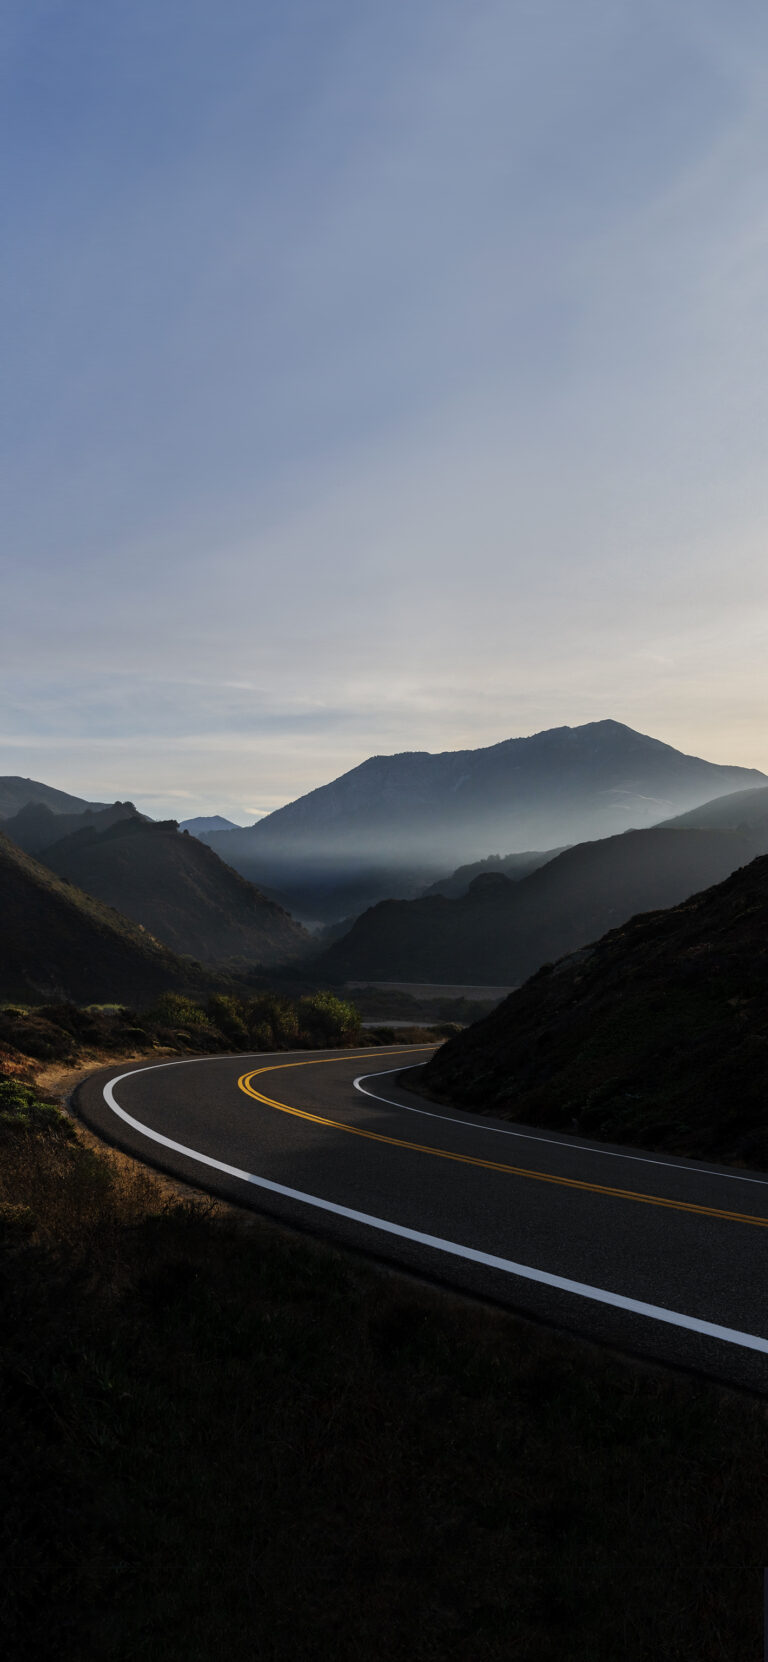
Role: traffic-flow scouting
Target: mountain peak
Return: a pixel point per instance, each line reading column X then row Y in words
column 565, row 784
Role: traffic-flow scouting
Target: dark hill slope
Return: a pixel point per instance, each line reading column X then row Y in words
column 565, row 785
column 15, row 793
column 656, row 1035
column 180, row 890
column 36, row 827
column 500, row 932
column 56, row 943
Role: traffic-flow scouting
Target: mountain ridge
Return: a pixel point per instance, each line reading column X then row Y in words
column 16, row 792
column 58, row 943
column 170, row 883
column 501, row 931
column 437, row 811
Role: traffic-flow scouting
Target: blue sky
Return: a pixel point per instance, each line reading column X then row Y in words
column 378, row 378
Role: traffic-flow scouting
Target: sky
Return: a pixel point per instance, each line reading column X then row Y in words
column 377, row 378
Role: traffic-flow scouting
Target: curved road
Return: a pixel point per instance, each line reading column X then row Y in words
column 664, row 1257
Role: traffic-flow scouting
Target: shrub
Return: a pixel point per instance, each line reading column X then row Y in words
column 328, row 1020
column 21, row 1109
column 227, row 1014
column 272, row 1022
column 175, row 1010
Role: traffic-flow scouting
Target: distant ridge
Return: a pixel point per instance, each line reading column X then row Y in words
column 745, row 811
column 500, row 931
column 36, row 827
column 16, row 792
column 205, row 823
column 513, row 866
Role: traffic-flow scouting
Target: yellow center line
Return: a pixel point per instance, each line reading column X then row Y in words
column 244, row 1083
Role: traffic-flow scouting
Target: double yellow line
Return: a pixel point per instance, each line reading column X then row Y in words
column 244, row 1083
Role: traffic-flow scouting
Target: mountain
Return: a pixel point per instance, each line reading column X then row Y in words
column 15, row 793
column 500, row 931
column 36, row 828
column 745, row 811
column 57, row 943
column 204, row 824
column 656, row 1035
column 513, row 866
column 178, row 889
column 418, row 811
column 583, row 781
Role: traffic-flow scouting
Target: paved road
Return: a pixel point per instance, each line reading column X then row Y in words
column 664, row 1257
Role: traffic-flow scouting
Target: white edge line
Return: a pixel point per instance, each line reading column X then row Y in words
column 555, row 1142
column 656, row 1312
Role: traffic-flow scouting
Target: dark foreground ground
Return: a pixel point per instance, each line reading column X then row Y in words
column 224, row 1440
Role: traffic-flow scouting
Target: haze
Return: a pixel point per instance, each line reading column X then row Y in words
column 378, row 379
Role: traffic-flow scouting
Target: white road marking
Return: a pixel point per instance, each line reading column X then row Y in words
column 556, row 1142
column 524, row 1272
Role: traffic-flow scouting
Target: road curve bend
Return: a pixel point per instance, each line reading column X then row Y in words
column 663, row 1257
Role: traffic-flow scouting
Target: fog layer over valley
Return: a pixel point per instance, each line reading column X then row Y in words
column 501, row 931
column 395, row 824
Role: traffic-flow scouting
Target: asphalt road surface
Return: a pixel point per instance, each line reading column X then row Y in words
column 660, row 1256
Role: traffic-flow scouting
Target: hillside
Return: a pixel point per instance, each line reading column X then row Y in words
column 744, row 811
column 513, row 866
column 180, row 890
column 655, row 1035
column 567, row 785
column 15, row 793
column 500, row 931
column 57, row 943
column 36, row 827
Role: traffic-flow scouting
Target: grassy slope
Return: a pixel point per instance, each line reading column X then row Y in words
column 58, row 942
column 225, row 1441
column 656, row 1035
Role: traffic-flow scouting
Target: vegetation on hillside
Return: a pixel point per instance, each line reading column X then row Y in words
column 73, row 1034
column 268, row 1021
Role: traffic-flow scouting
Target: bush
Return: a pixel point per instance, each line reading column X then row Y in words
column 174, row 1010
column 227, row 1013
column 272, row 1022
column 328, row 1020
column 21, row 1109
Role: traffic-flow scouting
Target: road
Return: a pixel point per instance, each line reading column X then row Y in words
column 663, row 1257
